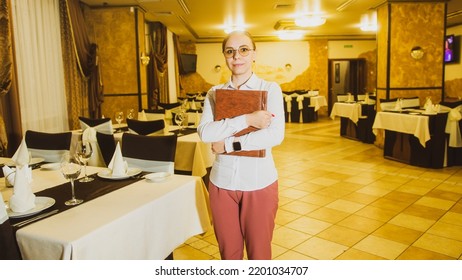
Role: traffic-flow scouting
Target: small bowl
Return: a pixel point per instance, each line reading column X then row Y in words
column 158, row 176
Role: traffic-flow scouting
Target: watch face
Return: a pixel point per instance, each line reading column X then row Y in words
column 237, row 146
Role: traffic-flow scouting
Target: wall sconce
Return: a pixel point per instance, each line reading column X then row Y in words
column 288, row 67
column 417, row 53
column 217, row 68
column 144, row 59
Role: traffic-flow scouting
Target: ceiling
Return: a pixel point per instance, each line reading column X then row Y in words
column 204, row 20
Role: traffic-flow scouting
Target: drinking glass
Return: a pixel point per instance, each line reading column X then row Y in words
column 84, row 152
column 130, row 114
column 179, row 119
column 119, row 116
column 70, row 167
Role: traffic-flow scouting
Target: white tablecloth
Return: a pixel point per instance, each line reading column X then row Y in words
column 140, row 221
column 346, row 110
column 318, row 102
column 417, row 125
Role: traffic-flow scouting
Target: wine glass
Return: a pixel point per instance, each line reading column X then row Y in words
column 179, row 119
column 70, row 167
column 84, row 151
column 130, row 114
column 119, row 116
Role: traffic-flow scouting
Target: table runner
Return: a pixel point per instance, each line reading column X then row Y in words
column 185, row 131
column 85, row 191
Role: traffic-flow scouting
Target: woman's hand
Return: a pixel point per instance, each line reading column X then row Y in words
column 218, row 147
column 259, row 119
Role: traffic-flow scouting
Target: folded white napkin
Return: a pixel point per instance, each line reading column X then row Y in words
column 366, row 98
column 196, row 119
column 142, row 116
column 398, row 105
column 7, row 171
column 23, row 198
column 3, row 214
column 21, row 157
column 118, row 165
column 428, row 103
column 350, row 98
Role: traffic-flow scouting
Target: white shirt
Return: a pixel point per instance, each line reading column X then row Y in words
column 240, row 172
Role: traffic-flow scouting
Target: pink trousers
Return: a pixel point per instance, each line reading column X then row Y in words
column 244, row 217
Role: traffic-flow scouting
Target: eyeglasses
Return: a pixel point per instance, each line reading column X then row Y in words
column 242, row 50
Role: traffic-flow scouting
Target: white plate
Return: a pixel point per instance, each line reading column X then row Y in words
column 158, row 176
column 51, row 166
column 414, row 113
column 106, row 174
column 32, row 161
column 41, row 203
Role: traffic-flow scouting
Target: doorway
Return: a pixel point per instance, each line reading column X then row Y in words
column 346, row 76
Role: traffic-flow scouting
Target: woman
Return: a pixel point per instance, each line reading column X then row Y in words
column 243, row 190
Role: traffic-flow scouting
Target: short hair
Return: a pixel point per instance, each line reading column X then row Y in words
column 238, row 32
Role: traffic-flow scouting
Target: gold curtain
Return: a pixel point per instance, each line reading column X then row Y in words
column 160, row 68
column 75, row 82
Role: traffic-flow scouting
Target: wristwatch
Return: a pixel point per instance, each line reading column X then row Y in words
column 237, row 146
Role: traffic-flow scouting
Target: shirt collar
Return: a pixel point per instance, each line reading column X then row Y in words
column 252, row 83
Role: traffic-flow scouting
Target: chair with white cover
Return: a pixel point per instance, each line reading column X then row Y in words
column 8, row 247
column 90, row 128
column 388, row 104
column 49, row 146
column 146, row 127
column 150, row 153
column 410, row 102
column 107, row 146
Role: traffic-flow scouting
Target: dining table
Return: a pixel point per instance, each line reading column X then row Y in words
column 192, row 155
column 356, row 119
column 414, row 136
column 132, row 218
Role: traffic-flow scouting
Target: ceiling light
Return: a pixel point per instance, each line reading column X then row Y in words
column 230, row 29
column 369, row 22
column 310, row 21
column 290, row 35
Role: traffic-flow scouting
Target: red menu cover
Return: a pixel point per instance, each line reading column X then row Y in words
column 231, row 103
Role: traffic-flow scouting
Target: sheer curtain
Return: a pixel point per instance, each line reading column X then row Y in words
column 36, row 28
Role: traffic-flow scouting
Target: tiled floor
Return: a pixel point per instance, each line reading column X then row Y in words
column 340, row 199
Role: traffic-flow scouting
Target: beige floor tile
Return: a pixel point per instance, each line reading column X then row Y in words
column 333, row 192
column 189, row 253
column 450, row 231
column 415, row 253
column 283, row 217
column 435, row 203
column 308, row 225
column 361, row 224
column 320, row 249
column 317, row 199
column 442, row 194
column 390, row 204
column 381, row 247
column 328, row 215
column 378, row 214
column 402, row 196
column 342, row 235
column 292, row 255
column 355, row 254
column 289, row 238
column 397, row 233
column 361, row 198
column 412, row 222
column 323, row 181
column 424, row 212
column 345, row 206
column 375, row 191
column 440, row 245
column 292, row 193
column 450, row 187
column 414, row 189
column 299, row 207
column 452, row 218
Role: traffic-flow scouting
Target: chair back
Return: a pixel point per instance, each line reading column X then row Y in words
column 107, row 146
column 146, row 127
column 90, row 129
column 49, row 146
column 388, row 104
column 150, row 153
column 411, row 102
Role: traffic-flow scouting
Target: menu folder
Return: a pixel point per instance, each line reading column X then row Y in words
column 231, row 103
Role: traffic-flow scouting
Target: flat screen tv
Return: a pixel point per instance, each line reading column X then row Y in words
column 188, row 63
column 451, row 49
